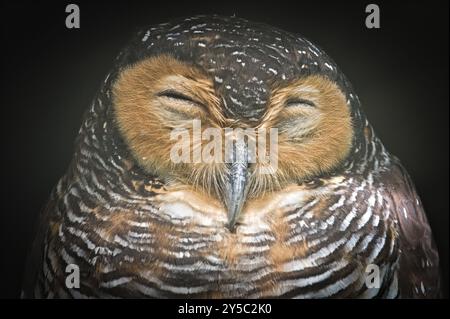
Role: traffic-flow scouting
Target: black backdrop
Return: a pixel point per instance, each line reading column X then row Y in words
column 50, row 75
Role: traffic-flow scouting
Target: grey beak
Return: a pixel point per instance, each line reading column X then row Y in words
column 236, row 183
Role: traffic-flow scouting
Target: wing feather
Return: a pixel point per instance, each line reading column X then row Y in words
column 419, row 275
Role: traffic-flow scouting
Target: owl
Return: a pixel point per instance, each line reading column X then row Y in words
column 335, row 216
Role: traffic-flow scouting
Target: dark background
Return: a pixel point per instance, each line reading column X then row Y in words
column 50, row 74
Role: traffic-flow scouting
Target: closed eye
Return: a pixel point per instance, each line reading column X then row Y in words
column 172, row 94
column 299, row 102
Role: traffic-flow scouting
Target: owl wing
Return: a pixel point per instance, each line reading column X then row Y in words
column 419, row 275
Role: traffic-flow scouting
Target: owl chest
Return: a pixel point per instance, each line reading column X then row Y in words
column 295, row 243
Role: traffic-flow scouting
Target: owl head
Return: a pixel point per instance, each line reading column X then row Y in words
column 226, row 74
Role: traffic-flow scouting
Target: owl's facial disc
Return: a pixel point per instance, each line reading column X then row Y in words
column 161, row 94
column 314, row 124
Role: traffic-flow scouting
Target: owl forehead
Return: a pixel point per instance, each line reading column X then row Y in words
column 245, row 60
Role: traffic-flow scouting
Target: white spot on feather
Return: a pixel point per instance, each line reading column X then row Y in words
column 147, row 34
column 328, row 66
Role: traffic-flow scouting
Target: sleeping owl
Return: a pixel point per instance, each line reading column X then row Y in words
column 337, row 216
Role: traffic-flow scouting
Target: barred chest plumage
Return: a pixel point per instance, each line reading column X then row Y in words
column 309, row 241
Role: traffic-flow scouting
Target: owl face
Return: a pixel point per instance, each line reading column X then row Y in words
column 232, row 74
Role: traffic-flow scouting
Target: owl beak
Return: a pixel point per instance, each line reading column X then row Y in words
column 236, row 183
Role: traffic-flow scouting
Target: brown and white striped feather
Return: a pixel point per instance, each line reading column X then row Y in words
column 309, row 241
